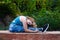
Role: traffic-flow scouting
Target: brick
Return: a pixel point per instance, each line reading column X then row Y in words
column 50, row 35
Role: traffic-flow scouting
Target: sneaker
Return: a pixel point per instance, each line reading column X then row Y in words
column 46, row 26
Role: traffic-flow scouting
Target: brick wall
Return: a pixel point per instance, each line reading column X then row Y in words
column 5, row 35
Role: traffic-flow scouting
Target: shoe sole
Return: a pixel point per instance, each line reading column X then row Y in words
column 46, row 28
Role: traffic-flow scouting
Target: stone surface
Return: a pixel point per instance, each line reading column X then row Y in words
column 49, row 35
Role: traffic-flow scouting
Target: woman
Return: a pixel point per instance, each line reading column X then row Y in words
column 25, row 24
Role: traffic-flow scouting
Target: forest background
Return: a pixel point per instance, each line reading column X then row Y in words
column 43, row 11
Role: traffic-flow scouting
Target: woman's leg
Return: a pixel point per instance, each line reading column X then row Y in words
column 16, row 28
column 39, row 29
column 19, row 28
column 11, row 29
column 44, row 29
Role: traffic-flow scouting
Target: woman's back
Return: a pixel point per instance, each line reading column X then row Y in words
column 17, row 21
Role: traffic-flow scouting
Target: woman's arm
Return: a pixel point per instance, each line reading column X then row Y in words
column 23, row 19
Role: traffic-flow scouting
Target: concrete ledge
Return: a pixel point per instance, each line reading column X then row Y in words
column 49, row 35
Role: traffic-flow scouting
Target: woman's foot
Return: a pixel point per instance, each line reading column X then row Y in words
column 46, row 26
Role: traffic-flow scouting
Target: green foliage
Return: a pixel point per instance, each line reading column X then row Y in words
column 43, row 11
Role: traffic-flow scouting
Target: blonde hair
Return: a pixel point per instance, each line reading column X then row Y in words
column 32, row 20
